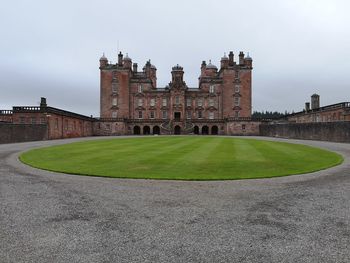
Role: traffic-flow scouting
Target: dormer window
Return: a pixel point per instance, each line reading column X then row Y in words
column 211, row 89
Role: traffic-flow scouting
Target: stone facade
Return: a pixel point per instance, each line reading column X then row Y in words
column 329, row 113
column 60, row 123
column 131, row 102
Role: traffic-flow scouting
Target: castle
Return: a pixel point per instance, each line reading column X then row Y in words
column 221, row 102
column 132, row 104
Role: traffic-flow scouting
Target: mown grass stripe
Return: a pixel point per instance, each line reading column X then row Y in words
column 187, row 158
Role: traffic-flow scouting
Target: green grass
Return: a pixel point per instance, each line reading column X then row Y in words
column 184, row 158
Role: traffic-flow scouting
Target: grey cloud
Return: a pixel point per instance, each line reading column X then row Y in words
column 51, row 48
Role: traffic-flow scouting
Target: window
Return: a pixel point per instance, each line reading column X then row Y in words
column 152, row 114
column 165, row 114
column 211, row 102
column 114, row 114
column 114, row 75
column 140, row 114
column 114, row 87
column 237, row 114
column 114, row 102
column 211, row 115
column 237, row 101
column 236, row 74
column 177, row 100
column 237, row 88
column 153, row 102
column 140, row 88
column 66, row 125
column 22, row 120
column 56, row 123
column 200, row 102
column 33, row 121
column 211, row 88
column 189, row 115
column 164, row 102
column 189, row 102
column 200, row 114
column 139, row 102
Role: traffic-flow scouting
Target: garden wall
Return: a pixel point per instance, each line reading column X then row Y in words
column 323, row 131
column 10, row 132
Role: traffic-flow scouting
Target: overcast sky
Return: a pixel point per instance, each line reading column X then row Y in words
column 52, row 48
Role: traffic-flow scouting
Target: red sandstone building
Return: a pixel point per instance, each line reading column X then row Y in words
column 131, row 102
column 329, row 113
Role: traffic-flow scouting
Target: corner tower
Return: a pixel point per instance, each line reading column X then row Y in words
column 114, row 87
column 236, row 86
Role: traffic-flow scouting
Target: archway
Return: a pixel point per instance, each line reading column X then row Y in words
column 177, row 129
column 156, row 130
column 196, row 130
column 214, row 130
column 137, row 130
column 146, row 130
column 205, row 130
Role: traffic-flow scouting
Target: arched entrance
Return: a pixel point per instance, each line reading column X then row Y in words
column 214, row 130
column 177, row 129
column 196, row 130
column 137, row 130
column 156, row 130
column 205, row 130
column 146, row 130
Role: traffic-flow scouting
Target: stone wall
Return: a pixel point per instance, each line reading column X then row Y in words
column 323, row 131
column 10, row 132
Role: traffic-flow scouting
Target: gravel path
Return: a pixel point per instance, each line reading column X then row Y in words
column 52, row 217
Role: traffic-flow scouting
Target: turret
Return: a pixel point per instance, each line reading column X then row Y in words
column 248, row 61
column 224, row 61
column 127, row 62
column 210, row 70
column 103, row 61
column 177, row 74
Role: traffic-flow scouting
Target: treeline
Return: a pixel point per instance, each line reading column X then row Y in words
column 269, row 114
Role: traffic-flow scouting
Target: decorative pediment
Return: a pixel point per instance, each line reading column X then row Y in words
column 139, row 94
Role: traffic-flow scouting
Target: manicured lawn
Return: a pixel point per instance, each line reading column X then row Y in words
column 185, row 158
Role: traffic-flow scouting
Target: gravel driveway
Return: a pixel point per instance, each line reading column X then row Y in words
column 52, row 217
